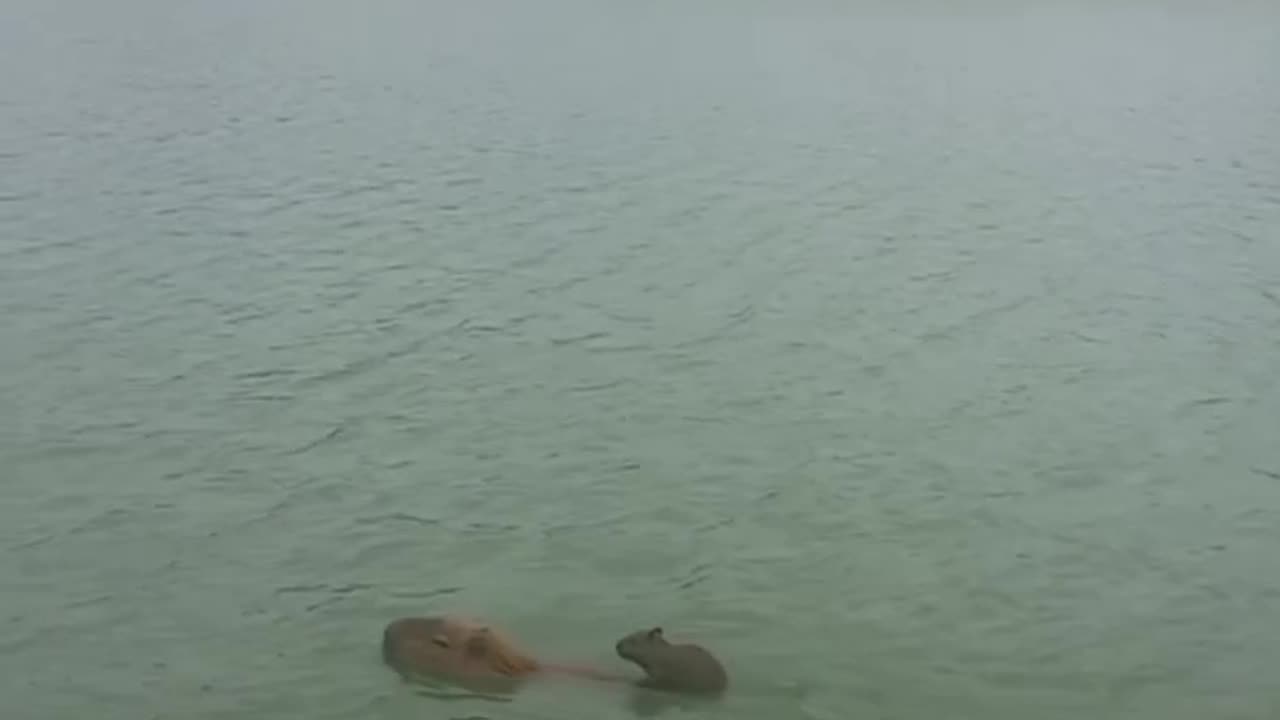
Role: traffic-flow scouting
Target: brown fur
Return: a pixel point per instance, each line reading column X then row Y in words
column 458, row 649
column 679, row 668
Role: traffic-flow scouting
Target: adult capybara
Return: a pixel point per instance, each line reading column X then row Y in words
column 467, row 653
column 679, row 668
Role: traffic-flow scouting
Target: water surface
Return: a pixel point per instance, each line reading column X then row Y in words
column 922, row 361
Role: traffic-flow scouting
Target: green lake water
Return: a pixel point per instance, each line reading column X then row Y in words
column 922, row 359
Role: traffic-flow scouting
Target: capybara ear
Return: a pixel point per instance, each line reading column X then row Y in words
column 441, row 640
column 655, row 633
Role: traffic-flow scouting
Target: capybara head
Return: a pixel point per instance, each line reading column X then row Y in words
column 639, row 645
column 486, row 645
column 452, row 646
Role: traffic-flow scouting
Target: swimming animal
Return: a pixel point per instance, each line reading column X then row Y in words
column 468, row 653
column 673, row 667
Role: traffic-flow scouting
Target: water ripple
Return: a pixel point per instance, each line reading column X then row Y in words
column 296, row 336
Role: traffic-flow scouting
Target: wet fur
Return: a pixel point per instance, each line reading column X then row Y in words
column 455, row 649
column 679, row 668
